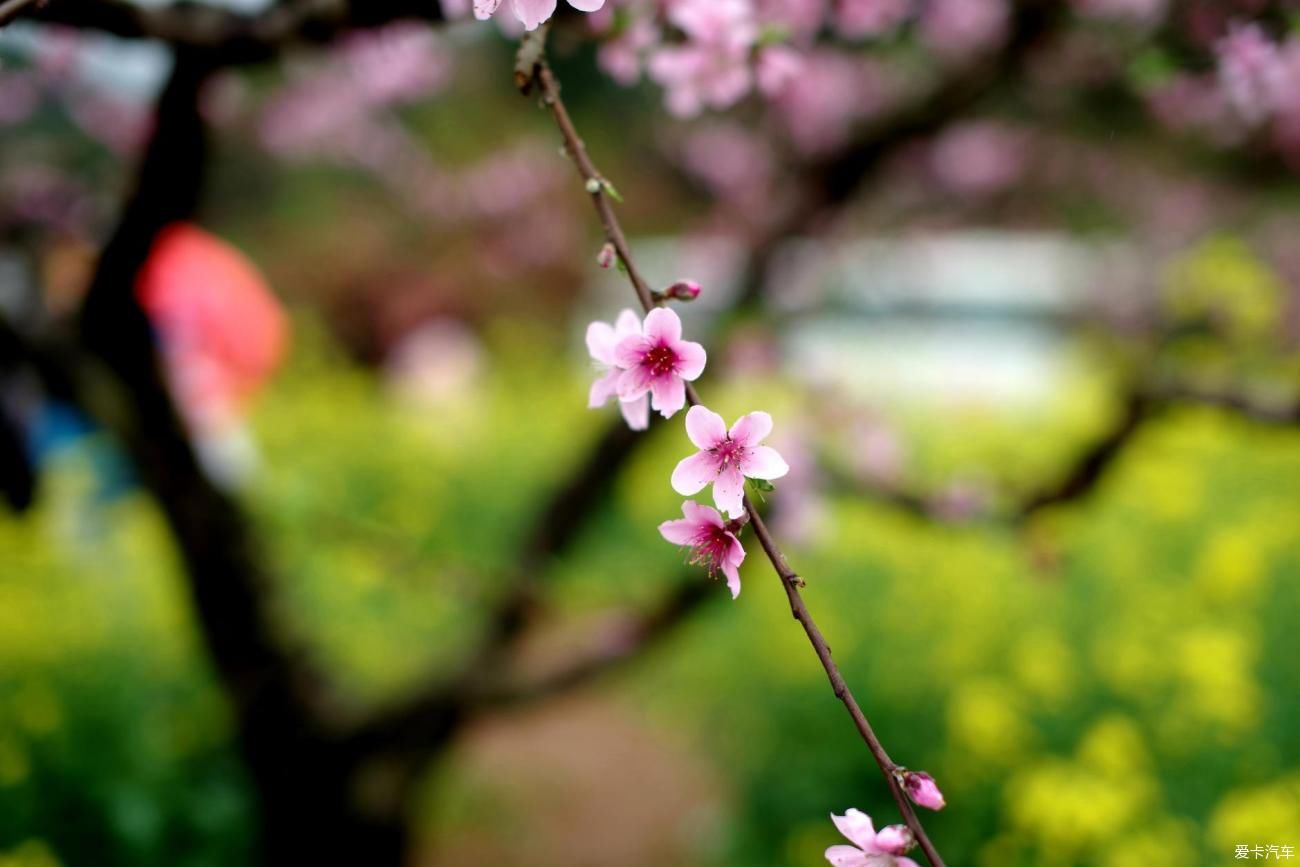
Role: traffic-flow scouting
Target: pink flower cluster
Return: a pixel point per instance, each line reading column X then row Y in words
column 647, row 365
column 531, row 12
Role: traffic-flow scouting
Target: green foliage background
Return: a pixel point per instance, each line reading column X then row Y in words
column 1112, row 685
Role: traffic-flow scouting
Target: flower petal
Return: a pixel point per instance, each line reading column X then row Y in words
column 693, row 473
column 846, row 856
column 702, row 514
column 705, row 427
column 680, row 532
column 533, row 12
column 733, row 578
column 763, row 462
column 483, row 9
column 630, row 351
column 729, row 492
column 636, row 412
column 627, row 323
column 586, row 5
column 669, row 395
column 691, row 359
column 731, row 565
column 633, row 383
column 663, row 326
column 601, row 340
column 752, row 429
column 856, row 826
column 604, row 388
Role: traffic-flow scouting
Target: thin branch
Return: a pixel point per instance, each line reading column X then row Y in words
column 1086, row 472
column 597, row 187
column 636, row 633
column 229, row 37
column 11, row 9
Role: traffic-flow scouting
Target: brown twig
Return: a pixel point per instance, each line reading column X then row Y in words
column 231, row 38
column 597, row 187
column 11, row 9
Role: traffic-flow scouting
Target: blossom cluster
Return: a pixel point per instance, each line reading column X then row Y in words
column 646, row 365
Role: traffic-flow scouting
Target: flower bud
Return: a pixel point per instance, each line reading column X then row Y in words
column 895, row 839
column 683, row 290
column 605, row 258
column 923, row 790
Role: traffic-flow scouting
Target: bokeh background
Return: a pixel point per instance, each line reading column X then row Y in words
column 1026, row 308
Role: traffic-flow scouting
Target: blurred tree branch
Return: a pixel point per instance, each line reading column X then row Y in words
column 11, row 9
column 1081, row 477
column 229, row 37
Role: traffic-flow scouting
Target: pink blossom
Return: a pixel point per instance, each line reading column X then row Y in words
column 700, row 76
column 532, row 12
column 923, row 790
column 607, row 256
column 726, row 457
column 870, row 849
column 958, row 29
column 711, row 69
column 777, row 67
column 856, row 19
column 835, row 90
column 1252, row 73
column 657, row 361
column 712, row 545
column 730, row 160
column 978, row 158
column 621, row 56
column 727, row 24
column 602, row 338
column 683, row 290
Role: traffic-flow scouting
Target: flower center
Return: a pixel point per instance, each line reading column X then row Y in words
column 661, row 360
column 710, row 549
column 729, row 452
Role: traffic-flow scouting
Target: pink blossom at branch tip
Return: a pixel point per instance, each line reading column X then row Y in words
column 712, row 545
column 727, row 457
column 683, row 290
column 658, row 362
column 532, row 12
column 870, row 849
column 606, row 257
column 602, row 339
column 923, row 790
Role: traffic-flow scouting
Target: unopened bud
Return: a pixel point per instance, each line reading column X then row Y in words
column 683, row 290
column 895, row 839
column 593, row 185
column 605, row 258
column 923, row 790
